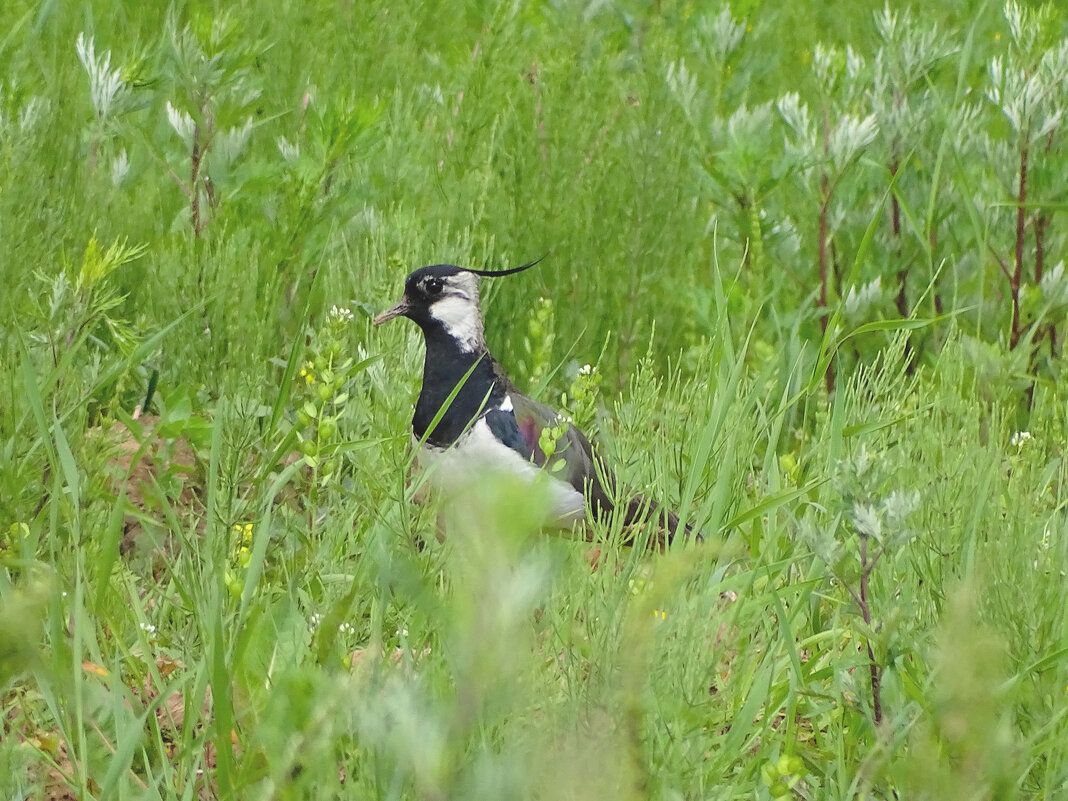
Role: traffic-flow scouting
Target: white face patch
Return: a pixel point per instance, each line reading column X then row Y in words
column 457, row 310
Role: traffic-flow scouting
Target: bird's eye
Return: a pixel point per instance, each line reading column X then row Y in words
column 434, row 286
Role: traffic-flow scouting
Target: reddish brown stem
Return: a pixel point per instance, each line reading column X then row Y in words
column 901, row 301
column 821, row 303
column 1041, row 223
column 1017, row 273
column 876, row 681
column 194, row 176
column 895, row 206
column 933, row 239
column 866, row 568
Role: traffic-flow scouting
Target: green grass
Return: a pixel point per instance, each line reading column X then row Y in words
column 233, row 595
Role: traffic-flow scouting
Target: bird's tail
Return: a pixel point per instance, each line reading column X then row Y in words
column 640, row 509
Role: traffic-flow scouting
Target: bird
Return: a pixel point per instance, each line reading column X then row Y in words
column 470, row 418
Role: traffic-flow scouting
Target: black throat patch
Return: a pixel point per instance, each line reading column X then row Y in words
column 444, row 368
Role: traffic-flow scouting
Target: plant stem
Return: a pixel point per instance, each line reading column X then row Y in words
column 901, row 301
column 1021, row 230
column 866, row 568
column 754, row 253
column 194, row 185
column 821, row 303
column 1042, row 221
column 826, row 190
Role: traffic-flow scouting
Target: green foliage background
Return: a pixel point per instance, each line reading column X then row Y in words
column 221, row 223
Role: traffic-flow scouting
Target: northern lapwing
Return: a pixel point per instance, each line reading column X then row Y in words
column 489, row 425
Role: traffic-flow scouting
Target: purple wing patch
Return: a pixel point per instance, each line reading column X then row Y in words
column 529, row 429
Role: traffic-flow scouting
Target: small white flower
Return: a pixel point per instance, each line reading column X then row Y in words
column 339, row 314
column 315, row 620
column 1020, row 437
column 149, row 629
column 346, row 628
column 585, row 370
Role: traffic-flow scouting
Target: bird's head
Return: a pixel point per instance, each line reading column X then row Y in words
column 444, row 298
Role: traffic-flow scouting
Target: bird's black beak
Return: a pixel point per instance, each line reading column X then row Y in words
column 399, row 309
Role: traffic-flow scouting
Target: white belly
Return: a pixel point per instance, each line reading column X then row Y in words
column 463, row 468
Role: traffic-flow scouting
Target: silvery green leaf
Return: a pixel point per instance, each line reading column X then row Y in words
column 182, row 123
column 866, row 520
column 30, row 113
column 725, row 33
column 1054, row 287
column 886, row 24
column 850, row 136
column 826, row 65
column 1021, row 25
column 786, row 240
column 746, row 124
column 859, row 303
column 862, row 461
column 795, row 115
column 120, row 168
column 231, row 144
column 900, row 505
column 289, row 151
column 854, row 62
column 106, row 86
column 683, row 84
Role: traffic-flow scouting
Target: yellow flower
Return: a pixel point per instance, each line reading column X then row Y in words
column 244, row 533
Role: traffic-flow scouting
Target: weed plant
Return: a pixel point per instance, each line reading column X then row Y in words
column 805, row 283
